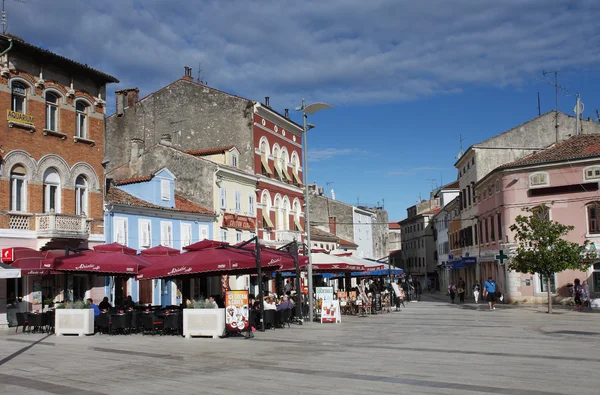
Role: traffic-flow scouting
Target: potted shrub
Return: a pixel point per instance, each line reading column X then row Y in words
column 203, row 318
column 76, row 318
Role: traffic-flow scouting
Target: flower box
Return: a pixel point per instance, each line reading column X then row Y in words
column 203, row 322
column 74, row 322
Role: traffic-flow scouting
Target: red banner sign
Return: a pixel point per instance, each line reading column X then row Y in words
column 8, row 255
column 237, row 313
column 239, row 222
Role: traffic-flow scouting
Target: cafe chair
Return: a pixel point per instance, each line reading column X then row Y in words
column 50, row 320
column 37, row 322
column 171, row 324
column 21, row 321
column 269, row 319
column 151, row 323
column 120, row 323
column 102, row 322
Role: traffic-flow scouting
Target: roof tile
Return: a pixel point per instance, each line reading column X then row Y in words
column 209, row 151
column 115, row 195
column 133, row 180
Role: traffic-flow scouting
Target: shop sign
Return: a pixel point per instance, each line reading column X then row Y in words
column 239, row 222
column 18, row 117
column 8, row 255
column 330, row 311
column 236, row 311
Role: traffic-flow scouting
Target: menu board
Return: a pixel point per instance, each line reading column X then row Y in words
column 331, row 311
column 396, row 289
column 342, row 295
column 363, row 295
column 377, row 302
column 236, row 310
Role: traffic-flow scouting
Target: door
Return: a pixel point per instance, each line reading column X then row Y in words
column 145, row 292
column 165, row 293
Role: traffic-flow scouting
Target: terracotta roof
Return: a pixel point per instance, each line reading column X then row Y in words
column 393, row 225
column 44, row 55
column 433, row 211
column 346, row 243
column 452, row 185
column 576, row 147
column 133, row 180
column 209, row 151
column 115, row 195
column 321, row 235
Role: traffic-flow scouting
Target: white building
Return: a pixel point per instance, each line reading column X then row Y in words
column 441, row 223
column 363, row 232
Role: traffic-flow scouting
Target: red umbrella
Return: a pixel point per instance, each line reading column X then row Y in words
column 285, row 259
column 160, row 251
column 204, row 244
column 30, row 261
column 325, row 263
column 216, row 261
column 110, row 259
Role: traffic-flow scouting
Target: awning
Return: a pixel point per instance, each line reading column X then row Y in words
column 298, row 225
column 267, row 220
column 297, row 177
column 265, row 163
column 286, row 172
column 326, row 263
column 279, row 171
column 29, row 261
column 9, row 272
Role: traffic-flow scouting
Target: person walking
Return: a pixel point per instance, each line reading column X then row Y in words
column 489, row 288
column 461, row 289
column 577, row 293
column 586, row 294
column 476, row 289
column 452, row 291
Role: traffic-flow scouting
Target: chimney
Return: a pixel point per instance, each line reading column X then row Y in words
column 126, row 98
column 287, row 113
column 165, row 139
column 188, row 74
column 120, row 97
column 137, row 148
column 132, row 97
column 332, row 225
column 267, row 101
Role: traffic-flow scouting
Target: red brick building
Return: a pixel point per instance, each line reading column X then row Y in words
column 52, row 148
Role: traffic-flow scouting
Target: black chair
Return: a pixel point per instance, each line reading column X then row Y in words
column 269, row 319
column 171, row 323
column 120, row 323
column 21, row 321
column 151, row 323
column 37, row 322
column 102, row 322
column 279, row 319
column 136, row 321
column 287, row 316
column 50, row 320
column 305, row 310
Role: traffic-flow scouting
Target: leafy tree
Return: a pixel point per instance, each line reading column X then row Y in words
column 542, row 249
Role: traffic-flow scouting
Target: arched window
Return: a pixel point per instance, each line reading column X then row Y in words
column 265, row 203
column 286, row 213
column 81, row 196
column 542, row 212
column 296, row 169
column 277, row 161
column 51, row 191
column 264, row 158
column 18, row 188
column 51, row 111
column 19, row 97
column 593, row 216
column 297, row 211
column 279, row 213
column 81, row 109
column 285, row 160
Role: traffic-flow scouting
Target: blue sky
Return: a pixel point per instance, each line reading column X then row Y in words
column 406, row 78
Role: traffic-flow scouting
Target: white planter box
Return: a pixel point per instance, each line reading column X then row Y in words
column 203, row 322
column 74, row 322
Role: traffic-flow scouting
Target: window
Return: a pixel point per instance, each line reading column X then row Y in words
column 222, row 198
column 499, row 227
column 234, row 160
column 18, row 189
column 469, row 195
column 81, row 196
column 19, row 97
column 297, row 211
column 238, row 201
column 251, row 204
column 498, row 186
column 165, row 190
column 279, row 213
column 490, row 191
column 51, row 198
column 473, row 191
column 120, row 230
column 542, row 212
column 296, row 169
column 544, row 284
column 592, row 173
column 487, row 235
column 492, row 229
column 480, row 233
column 224, row 235
column 593, row 213
column 538, row 179
column 82, row 122
column 238, row 236
column 475, row 234
column 286, row 213
column 51, row 111
column 473, row 160
column 145, row 233
column 166, row 234
column 264, row 158
column 277, row 162
column 186, row 234
column 284, row 164
column 203, row 232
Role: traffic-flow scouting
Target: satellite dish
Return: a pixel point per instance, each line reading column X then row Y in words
column 581, row 107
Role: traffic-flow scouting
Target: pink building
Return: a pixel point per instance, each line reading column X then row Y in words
column 565, row 177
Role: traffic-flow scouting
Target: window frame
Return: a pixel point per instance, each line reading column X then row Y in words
column 142, row 222
column 165, row 189
column 595, row 221
column 185, row 241
column 202, row 228
column 166, row 238
column 52, row 107
column 23, row 96
column 238, row 201
column 79, row 114
column 533, row 184
column 594, row 169
column 15, row 198
column 223, row 235
column 48, row 197
column 251, row 204
column 222, row 198
column 81, row 196
column 125, row 222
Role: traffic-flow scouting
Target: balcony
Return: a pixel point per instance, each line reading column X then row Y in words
column 62, row 226
column 287, row 236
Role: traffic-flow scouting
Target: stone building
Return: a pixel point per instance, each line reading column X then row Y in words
column 51, row 178
column 441, row 222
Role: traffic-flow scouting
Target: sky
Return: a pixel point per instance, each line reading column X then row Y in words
column 407, row 78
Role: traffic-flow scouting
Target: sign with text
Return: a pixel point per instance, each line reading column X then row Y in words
column 18, row 117
column 396, row 289
column 239, row 222
column 331, row 311
column 8, row 255
column 237, row 312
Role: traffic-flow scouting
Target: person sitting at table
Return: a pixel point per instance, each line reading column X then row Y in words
column 268, row 303
column 105, row 304
column 94, row 307
column 129, row 303
column 285, row 303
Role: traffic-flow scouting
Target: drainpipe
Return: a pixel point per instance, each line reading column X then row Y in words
column 10, row 45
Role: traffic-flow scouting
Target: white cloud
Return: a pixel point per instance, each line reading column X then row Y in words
column 316, row 155
column 414, row 170
column 338, row 51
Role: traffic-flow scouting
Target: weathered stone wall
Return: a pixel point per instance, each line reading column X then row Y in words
column 381, row 247
column 321, row 208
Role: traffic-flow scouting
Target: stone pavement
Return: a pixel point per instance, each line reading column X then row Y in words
column 430, row 347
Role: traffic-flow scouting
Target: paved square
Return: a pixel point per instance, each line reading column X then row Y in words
column 430, row 347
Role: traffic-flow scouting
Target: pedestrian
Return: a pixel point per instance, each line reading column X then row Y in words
column 586, row 294
column 452, row 291
column 461, row 289
column 418, row 290
column 577, row 293
column 429, row 285
column 489, row 287
column 476, row 289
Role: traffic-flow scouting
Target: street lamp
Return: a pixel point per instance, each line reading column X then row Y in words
column 308, row 109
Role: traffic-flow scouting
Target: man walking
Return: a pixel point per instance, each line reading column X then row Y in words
column 476, row 289
column 489, row 288
column 462, row 289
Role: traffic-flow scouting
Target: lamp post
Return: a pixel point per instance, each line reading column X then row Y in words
column 308, row 109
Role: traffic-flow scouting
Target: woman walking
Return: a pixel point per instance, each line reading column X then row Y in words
column 461, row 290
column 586, row 294
column 577, row 293
column 476, row 289
column 452, row 291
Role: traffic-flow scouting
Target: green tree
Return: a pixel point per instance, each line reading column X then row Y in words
column 542, row 249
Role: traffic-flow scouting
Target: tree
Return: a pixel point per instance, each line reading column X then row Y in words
column 542, row 249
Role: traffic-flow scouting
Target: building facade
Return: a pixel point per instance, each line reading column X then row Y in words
column 51, row 178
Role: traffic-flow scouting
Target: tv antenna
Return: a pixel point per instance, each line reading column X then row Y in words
column 433, row 183
column 597, row 115
column 200, row 80
column 4, row 18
